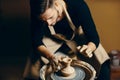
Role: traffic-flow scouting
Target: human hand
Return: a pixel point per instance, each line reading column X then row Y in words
column 55, row 62
column 87, row 49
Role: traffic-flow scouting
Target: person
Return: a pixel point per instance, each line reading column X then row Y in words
column 47, row 13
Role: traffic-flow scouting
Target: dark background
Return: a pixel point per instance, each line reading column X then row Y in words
column 15, row 42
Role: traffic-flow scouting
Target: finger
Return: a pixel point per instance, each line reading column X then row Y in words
column 84, row 47
column 78, row 47
column 88, row 52
column 54, row 61
column 58, row 67
column 90, row 55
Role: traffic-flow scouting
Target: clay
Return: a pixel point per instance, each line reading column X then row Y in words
column 67, row 70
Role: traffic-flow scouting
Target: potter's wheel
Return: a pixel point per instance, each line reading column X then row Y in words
column 79, row 75
column 83, row 71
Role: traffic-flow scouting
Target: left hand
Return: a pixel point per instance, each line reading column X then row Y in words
column 55, row 62
column 87, row 49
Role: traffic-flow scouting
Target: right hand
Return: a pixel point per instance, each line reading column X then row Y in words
column 85, row 50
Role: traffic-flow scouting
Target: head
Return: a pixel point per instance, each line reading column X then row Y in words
column 50, row 11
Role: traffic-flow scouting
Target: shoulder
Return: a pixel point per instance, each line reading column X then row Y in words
column 73, row 1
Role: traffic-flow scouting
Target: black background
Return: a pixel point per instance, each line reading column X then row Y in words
column 15, row 41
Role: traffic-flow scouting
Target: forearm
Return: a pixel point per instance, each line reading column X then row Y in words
column 45, row 52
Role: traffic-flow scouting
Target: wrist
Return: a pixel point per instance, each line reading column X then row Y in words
column 50, row 56
column 92, row 46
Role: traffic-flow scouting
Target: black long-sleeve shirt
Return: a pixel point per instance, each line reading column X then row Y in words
column 80, row 15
